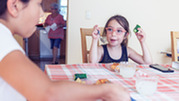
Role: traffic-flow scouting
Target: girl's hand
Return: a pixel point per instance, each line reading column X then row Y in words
column 95, row 33
column 141, row 35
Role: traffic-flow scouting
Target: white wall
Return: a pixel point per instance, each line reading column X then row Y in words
column 156, row 17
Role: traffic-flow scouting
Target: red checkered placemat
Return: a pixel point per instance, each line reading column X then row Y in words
column 168, row 84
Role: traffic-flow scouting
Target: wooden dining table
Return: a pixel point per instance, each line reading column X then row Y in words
column 167, row 88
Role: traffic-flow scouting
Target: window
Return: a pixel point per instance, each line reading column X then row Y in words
column 63, row 8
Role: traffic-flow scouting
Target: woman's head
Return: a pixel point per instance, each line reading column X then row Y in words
column 54, row 8
column 3, row 6
column 122, row 22
column 22, row 16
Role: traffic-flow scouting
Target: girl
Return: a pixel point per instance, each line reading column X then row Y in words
column 117, row 31
column 21, row 79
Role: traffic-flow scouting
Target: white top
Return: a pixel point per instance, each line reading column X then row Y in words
column 7, row 45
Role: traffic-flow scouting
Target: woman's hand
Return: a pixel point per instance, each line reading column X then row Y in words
column 61, row 25
column 116, row 92
column 141, row 35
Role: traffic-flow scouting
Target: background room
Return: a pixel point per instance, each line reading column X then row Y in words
column 156, row 17
column 39, row 43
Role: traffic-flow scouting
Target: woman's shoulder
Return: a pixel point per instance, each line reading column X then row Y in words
column 48, row 16
column 59, row 15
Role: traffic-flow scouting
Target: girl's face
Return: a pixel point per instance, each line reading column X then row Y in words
column 115, row 33
column 29, row 17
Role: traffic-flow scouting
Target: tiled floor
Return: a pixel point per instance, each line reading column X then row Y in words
column 42, row 62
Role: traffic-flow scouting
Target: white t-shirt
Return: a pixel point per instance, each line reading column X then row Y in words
column 7, row 45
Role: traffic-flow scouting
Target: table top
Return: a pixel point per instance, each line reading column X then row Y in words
column 168, row 84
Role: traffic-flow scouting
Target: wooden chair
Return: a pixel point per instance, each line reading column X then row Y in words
column 86, row 32
column 174, row 37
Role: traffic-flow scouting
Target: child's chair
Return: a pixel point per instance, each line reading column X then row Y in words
column 174, row 38
column 85, row 34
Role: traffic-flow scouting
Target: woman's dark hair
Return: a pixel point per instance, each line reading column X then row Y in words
column 3, row 6
column 123, row 22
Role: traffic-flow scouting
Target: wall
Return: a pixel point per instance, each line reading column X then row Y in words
column 157, row 18
column 47, row 3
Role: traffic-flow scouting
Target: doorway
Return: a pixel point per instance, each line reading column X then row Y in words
column 34, row 42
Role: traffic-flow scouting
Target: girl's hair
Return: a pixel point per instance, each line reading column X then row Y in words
column 3, row 6
column 123, row 22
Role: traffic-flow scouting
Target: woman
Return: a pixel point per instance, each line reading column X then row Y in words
column 21, row 79
column 56, row 33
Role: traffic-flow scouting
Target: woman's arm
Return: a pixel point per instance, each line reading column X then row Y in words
column 82, row 92
column 24, row 76
column 31, row 82
column 146, row 57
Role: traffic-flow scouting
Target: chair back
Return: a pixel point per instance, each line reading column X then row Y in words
column 85, row 33
column 174, row 38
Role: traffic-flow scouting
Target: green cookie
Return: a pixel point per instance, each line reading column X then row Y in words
column 81, row 76
column 135, row 29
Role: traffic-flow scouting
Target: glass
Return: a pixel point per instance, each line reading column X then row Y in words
column 146, row 84
column 126, row 69
column 118, row 31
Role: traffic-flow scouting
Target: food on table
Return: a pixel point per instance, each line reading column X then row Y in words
column 114, row 66
column 80, row 81
column 102, row 81
column 81, row 76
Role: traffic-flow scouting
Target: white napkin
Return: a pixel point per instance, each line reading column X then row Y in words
column 54, row 26
column 47, row 28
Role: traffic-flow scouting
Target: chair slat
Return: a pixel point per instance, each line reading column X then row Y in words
column 86, row 32
column 174, row 38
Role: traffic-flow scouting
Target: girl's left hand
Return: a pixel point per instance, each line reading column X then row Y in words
column 141, row 35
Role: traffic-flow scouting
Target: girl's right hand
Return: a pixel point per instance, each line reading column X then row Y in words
column 95, row 34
